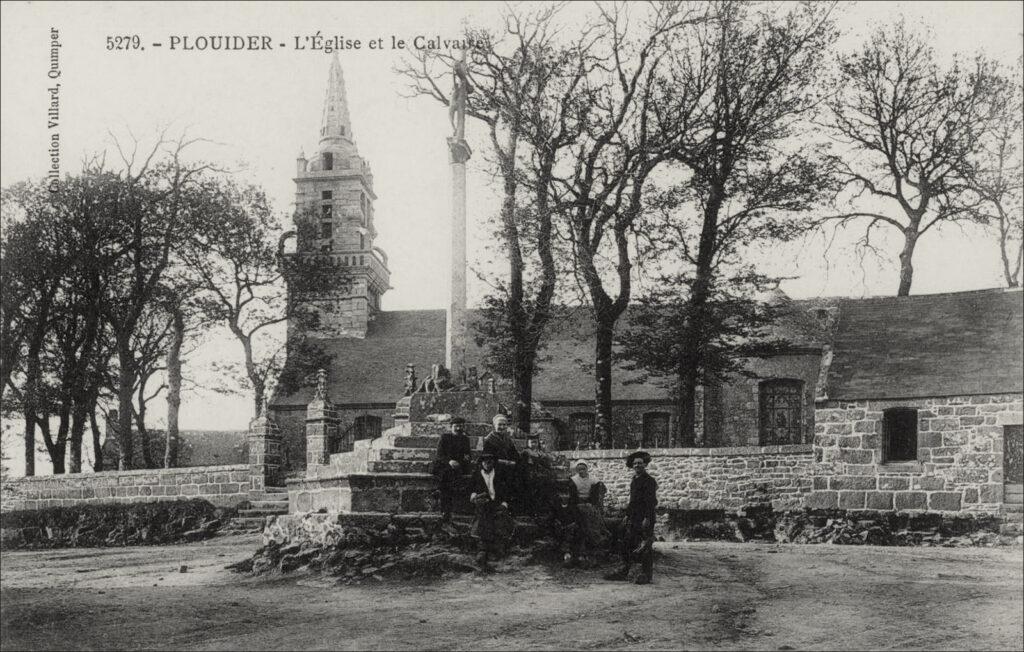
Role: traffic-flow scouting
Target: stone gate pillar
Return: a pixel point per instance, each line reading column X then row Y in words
column 321, row 425
column 265, row 468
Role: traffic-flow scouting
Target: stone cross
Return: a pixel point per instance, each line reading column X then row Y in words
column 459, row 153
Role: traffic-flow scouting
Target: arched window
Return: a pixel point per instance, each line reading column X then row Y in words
column 581, row 428
column 781, row 412
column 899, row 428
column 656, row 430
column 367, row 426
column 328, row 160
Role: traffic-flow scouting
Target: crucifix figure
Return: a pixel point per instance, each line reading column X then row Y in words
column 461, row 88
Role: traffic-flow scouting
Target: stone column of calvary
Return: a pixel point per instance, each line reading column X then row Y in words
column 459, row 152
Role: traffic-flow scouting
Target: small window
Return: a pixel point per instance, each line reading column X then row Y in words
column 328, row 160
column 326, row 194
column 899, row 426
column 362, row 242
column 581, row 428
column 342, row 129
column 656, row 430
column 781, row 412
column 326, row 230
column 327, row 212
column 367, row 426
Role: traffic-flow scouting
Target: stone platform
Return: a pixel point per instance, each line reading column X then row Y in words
column 391, row 473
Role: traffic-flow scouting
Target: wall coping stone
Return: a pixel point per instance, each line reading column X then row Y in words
column 723, row 451
column 132, row 472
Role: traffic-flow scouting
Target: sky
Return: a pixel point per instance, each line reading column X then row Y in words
column 259, row 109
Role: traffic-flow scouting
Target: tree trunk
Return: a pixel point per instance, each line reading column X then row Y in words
column 30, row 441
column 603, row 338
column 97, row 448
column 125, row 382
column 173, row 381
column 140, row 421
column 58, row 449
column 524, row 390
column 687, row 421
column 906, row 260
column 79, row 414
column 1011, row 271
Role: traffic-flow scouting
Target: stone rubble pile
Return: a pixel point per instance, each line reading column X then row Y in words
column 837, row 527
column 112, row 525
column 354, row 552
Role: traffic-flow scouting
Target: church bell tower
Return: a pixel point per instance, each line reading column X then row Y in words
column 334, row 222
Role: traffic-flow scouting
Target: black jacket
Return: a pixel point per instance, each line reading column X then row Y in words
column 502, row 490
column 453, row 447
column 502, row 448
column 643, row 498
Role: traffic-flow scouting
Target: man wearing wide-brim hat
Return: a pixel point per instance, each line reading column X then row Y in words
column 638, row 542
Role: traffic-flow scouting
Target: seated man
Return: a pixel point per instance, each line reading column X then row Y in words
column 489, row 492
column 535, row 480
column 450, row 464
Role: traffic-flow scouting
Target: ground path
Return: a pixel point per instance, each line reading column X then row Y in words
column 705, row 596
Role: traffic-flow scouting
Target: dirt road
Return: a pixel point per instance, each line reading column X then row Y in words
column 705, row 596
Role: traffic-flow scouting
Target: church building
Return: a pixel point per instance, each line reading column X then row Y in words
column 885, row 390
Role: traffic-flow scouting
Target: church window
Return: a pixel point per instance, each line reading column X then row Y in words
column 326, row 194
column 342, row 129
column 899, row 430
column 326, row 230
column 656, row 430
column 327, row 212
column 328, row 160
column 367, row 426
column 781, row 410
column 581, row 428
column 362, row 242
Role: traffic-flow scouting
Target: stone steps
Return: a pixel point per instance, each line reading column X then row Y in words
column 420, row 454
column 400, row 466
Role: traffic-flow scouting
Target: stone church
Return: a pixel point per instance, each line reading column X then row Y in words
column 875, row 384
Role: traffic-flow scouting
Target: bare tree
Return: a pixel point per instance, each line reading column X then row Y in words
column 995, row 173
column 528, row 93
column 910, row 127
column 633, row 123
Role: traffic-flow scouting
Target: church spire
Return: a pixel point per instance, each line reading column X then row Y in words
column 335, row 124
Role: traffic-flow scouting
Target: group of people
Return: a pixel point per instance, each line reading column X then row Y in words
column 506, row 480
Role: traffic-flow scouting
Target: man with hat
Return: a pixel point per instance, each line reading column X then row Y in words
column 638, row 540
column 451, row 463
column 489, row 492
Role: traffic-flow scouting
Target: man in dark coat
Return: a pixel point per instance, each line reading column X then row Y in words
column 451, row 464
column 489, row 492
column 638, row 525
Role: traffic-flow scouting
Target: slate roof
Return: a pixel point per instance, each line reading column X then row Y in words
column 896, row 347
column 929, row 345
column 371, row 370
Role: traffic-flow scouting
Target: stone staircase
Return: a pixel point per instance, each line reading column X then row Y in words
column 272, row 501
column 389, row 474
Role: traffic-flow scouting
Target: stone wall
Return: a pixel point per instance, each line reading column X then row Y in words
column 959, row 465
column 224, row 486
column 710, row 478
